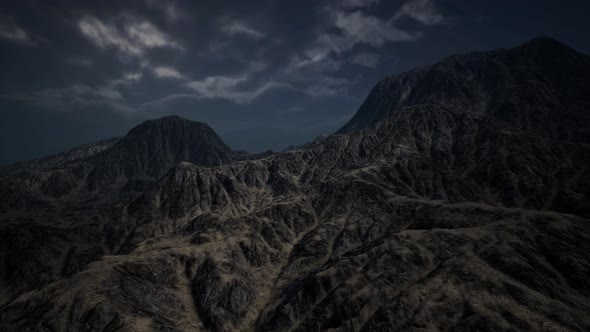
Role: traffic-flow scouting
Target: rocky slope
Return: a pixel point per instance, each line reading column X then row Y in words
column 438, row 217
column 541, row 86
column 131, row 163
column 151, row 149
column 59, row 159
column 49, row 206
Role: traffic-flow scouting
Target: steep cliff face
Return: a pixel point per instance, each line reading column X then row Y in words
column 442, row 215
column 541, row 86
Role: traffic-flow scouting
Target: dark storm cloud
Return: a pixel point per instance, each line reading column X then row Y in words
column 132, row 37
column 264, row 74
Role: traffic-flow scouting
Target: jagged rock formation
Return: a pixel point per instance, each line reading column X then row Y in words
column 437, row 217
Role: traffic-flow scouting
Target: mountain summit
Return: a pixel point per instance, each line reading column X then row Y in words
column 152, row 148
column 142, row 156
column 170, row 140
column 541, row 86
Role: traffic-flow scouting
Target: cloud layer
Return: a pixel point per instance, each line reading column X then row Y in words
column 305, row 67
column 134, row 38
column 317, row 67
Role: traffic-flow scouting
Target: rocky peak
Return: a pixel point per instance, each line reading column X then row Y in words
column 544, row 45
column 153, row 147
column 542, row 86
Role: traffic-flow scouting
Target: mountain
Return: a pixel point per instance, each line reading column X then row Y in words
column 61, row 197
column 106, row 168
column 542, row 86
column 438, row 216
column 58, row 159
column 152, row 148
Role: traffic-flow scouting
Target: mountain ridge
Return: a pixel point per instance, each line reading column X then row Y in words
column 493, row 82
column 439, row 216
column 76, row 153
column 130, row 163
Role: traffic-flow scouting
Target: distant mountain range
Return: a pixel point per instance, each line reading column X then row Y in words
column 456, row 198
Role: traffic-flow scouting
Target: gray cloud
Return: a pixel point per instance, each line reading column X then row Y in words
column 313, row 60
column 167, row 72
column 315, row 71
column 358, row 27
column 232, row 88
column 355, row 27
column 10, row 31
column 241, row 88
column 136, row 37
column 133, row 76
column 236, row 28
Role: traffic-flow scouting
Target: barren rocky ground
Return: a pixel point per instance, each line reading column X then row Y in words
column 458, row 198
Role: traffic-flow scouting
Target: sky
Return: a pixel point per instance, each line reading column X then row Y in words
column 263, row 74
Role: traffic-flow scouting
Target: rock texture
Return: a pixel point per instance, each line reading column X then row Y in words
column 437, row 217
column 104, row 169
column 151, row 149
column 59, row 159
column 51, row 208
column 541, row 86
